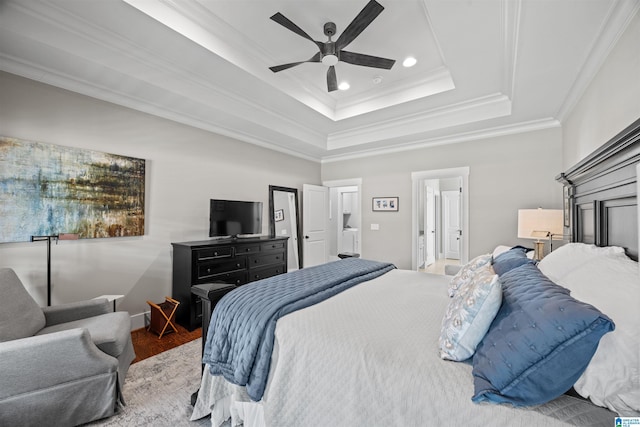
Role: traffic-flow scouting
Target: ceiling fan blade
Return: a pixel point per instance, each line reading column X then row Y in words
column 285, row 22
column 359, row 23
column 332, row 82
column 315, row 58
column 366, row 60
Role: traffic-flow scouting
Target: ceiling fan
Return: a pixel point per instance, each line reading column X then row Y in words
column 331, row 52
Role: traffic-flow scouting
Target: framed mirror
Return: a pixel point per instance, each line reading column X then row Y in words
column 284, row 221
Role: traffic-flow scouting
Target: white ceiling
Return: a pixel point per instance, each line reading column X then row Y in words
column 485, row 67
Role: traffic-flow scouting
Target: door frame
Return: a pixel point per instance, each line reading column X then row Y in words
column 349, row 182
column 416, row 179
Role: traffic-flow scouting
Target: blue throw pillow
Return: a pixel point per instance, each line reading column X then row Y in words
column 513, row 258
column 539, row 343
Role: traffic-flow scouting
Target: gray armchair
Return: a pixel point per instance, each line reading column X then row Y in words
column 62, row 365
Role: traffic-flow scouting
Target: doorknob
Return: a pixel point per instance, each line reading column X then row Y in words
column 306, row 237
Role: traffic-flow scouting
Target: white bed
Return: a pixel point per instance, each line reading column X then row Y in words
column 370, row 355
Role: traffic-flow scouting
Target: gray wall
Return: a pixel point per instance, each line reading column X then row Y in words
column 506, row 173
column 185, row 168
column 611, row 101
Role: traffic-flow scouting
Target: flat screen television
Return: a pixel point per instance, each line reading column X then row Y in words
column 234, row 218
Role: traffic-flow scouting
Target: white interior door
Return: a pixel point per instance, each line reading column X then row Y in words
column 430, row 225
column 315, row 224
column 452, row 224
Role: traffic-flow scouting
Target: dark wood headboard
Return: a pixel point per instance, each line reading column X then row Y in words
column 601, row 200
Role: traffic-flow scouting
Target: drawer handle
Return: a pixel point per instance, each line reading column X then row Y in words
column 208, row 270
column 247, row 249
column 277, row 257
column 238, row 265
column 257, row 276
column 277, row 271
column 255, row 261
column 215, row 254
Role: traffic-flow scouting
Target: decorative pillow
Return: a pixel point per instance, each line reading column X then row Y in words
column 539, row 344
column 500, row 249
column 513, row 258
column 469, row 315
column 466, row 273
column 572, row 255
column 612, row 379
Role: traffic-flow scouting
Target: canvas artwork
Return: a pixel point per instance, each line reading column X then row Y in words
column 48, row 189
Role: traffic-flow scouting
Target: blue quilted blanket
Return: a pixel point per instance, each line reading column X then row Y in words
column 241, row 334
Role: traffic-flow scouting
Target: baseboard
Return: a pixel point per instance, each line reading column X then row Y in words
column 138, row 320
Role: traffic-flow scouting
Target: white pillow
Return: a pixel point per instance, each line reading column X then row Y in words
column 465, row 274
column 612, row 284
column 469, row 314
column 571, row 256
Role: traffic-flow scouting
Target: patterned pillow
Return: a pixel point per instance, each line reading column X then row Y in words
column 470, row 314
column 466, row 273
column 539, row 343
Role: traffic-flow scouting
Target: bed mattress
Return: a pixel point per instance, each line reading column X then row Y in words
column 369, row 356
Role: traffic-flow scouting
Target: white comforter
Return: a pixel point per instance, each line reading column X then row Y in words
column 369, row 357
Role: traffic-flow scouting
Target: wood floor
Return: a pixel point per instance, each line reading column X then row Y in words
column 147, row 344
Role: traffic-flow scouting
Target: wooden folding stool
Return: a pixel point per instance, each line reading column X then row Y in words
column 162, row 316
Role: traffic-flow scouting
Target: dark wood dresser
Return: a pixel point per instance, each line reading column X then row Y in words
column 233, row 261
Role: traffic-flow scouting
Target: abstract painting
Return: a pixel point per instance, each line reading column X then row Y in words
column 48, row 189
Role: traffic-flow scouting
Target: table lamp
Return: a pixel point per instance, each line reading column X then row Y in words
column 540, row 224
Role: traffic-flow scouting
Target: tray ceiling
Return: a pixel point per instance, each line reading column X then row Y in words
column 483, row 67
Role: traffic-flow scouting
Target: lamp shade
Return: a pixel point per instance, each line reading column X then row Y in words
column 540, row 223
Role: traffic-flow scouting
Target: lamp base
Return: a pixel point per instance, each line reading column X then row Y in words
column 539, row 251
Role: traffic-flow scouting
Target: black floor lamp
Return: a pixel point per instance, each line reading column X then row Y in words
column 48, row 239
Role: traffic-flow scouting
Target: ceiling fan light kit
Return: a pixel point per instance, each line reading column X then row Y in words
column 330, row 52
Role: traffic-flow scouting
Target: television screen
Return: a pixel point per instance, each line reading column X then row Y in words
column 234, row 217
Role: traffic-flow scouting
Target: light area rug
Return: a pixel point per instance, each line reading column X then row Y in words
column 158, row 390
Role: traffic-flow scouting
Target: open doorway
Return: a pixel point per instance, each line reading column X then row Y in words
column 440, row 217
column 345, row 217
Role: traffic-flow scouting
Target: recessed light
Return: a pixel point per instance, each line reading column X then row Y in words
column 344, row 86
column 377, row 80
column 409, row 62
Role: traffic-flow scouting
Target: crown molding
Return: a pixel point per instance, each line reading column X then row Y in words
column 511, row 14
column 523, row 127
column 487, row 107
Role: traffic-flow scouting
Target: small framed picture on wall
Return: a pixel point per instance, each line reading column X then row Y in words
column 385, row 204
column 278, row 215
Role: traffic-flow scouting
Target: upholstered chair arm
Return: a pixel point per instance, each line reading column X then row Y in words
column 42, row 362
column 75, row 311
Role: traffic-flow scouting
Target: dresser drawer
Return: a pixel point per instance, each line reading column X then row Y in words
column 247, row 249
column 273, row 246
column 233, row 277
column 263, row 273
column 213, row 253
column 266, row 259
column 207, row 270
